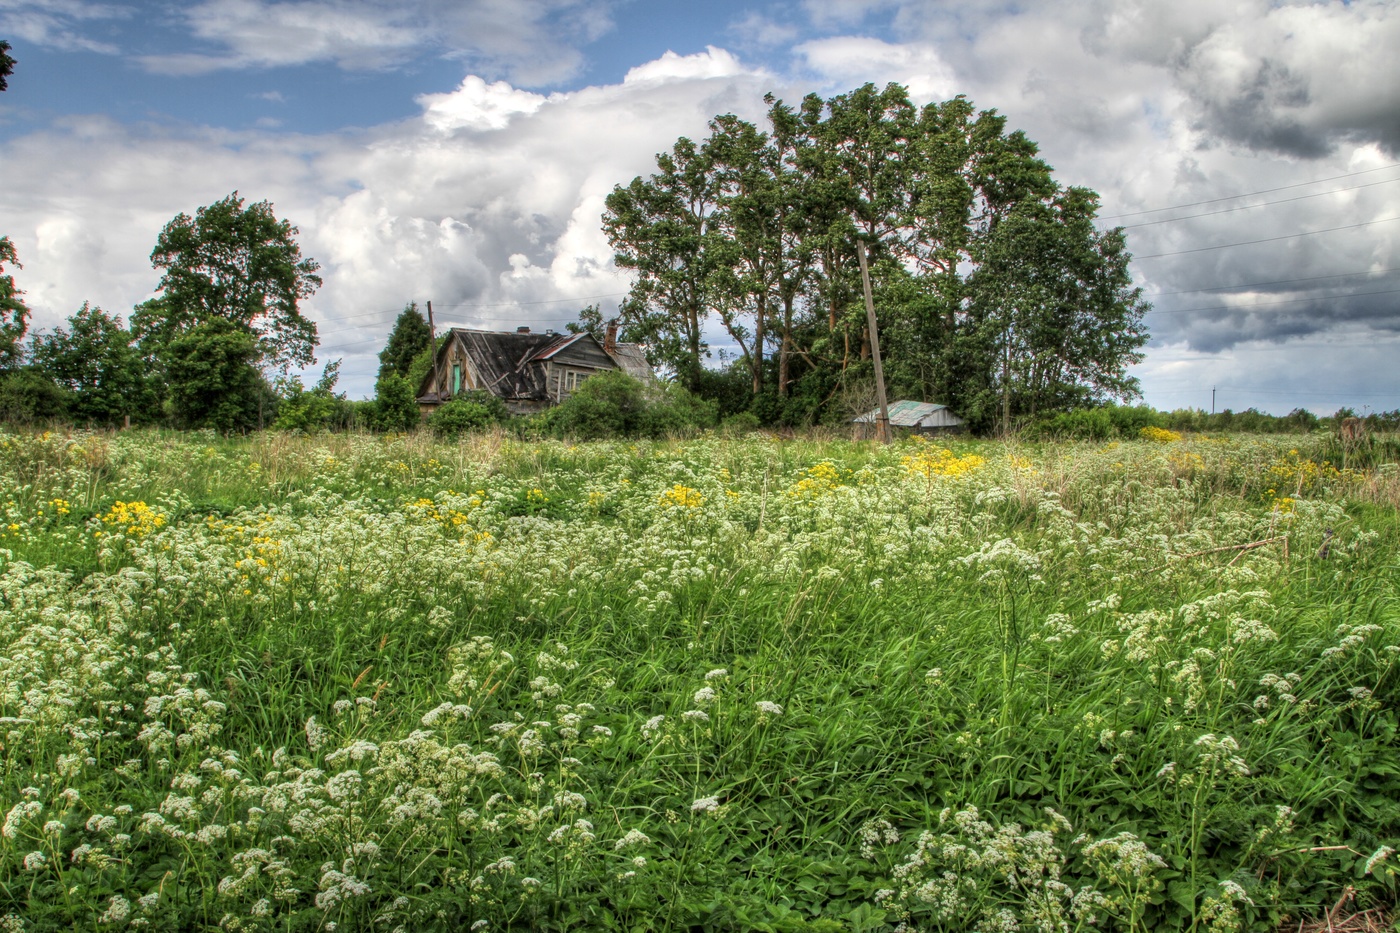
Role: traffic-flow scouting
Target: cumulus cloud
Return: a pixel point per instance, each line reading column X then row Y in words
column 58, row 24
column 489, row 202
column 711, row 63
column 848, row 61
column 533, row 42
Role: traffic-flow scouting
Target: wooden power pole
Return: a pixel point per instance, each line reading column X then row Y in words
column 882, row 423
column 432, row 344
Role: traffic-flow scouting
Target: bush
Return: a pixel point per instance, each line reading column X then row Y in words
column 606, row 405
column 470, row 411
column 744, row 422
column 395, row 408
column 613, row 404
column 27, row 396
column 1110, row 421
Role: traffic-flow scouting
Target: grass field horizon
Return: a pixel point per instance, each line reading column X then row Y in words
column 365, row 682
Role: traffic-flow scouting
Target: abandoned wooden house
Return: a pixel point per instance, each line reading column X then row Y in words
column 528, row 371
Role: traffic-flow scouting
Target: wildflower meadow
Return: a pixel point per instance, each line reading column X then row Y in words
column 357, row 682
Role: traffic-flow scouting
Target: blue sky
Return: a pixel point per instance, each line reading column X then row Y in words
column 460, row 151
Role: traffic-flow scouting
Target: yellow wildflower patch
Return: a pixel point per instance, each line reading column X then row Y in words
column 940, row 461
column 681, row 496
column 1159, row 435
column 133, row 518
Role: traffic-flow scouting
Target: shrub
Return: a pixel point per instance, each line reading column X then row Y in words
column 470, row 411
column 27, row 395
column 613, row 404
column 395, row 408
column 607, row 405
column 744, row 422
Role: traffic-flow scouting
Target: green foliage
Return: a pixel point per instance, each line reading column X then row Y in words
column 7, row 65
column 613, row 404
column 29, row 396
column 609, row 404
column 740, row 423
column 469, row 411
column 240, row 265
column 212, row 379
column 721, row 685
column 395, row 407
column 317, row 409
column 994, row 290
column 408, row 340
column 1100, row 423
column 14, row 314
column 422, row 364
column 95, row 361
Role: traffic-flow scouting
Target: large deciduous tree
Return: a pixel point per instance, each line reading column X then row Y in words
column 241, row 265
column 14, row 314
column 995, row 290
column 662, row 229
column 7, row 65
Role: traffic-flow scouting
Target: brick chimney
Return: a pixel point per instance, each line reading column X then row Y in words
column 522, row 330
column 610, row 341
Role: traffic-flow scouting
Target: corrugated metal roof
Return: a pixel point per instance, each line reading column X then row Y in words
column 910, row 414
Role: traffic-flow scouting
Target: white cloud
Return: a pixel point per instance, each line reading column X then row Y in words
column 845, row 62
column 529, row 41
column 711, row 63
column 477, row 105
column 489, row 203
column 57, row 24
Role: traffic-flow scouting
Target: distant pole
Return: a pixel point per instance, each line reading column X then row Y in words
column 1212, row 400
column 432, row 343
column 882, row 425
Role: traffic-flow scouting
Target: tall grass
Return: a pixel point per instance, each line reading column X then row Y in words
column 378, row 683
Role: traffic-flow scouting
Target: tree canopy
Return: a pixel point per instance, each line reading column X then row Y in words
column 996, row 291
column 14, row 314
column 410, row 337
column 94, row 360
column 236, row 264
column 7, row 65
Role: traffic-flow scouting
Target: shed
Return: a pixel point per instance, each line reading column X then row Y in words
column 912, row 417
column 528, row 371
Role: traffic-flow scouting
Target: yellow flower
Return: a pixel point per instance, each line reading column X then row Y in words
column 939, row 461
column 681, row 496
column 1159, row 435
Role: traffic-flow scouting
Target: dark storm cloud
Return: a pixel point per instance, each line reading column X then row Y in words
column 1215, row 322
column 1262, row 114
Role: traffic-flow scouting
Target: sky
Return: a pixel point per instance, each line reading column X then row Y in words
column 460, row 152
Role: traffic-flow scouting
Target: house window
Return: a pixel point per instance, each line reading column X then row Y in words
column 573, row 379
column 456, row 378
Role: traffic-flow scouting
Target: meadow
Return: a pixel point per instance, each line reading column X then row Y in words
column 358, row 682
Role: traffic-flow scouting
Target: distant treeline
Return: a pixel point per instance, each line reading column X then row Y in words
column 1127, row 421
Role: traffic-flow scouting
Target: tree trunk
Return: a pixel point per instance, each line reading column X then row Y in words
column 785, row 349
column 758, row 343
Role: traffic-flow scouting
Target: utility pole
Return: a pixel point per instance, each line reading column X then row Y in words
column 882, row 424
column 432, row 342
column 1212, row 400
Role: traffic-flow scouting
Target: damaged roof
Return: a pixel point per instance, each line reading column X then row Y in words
column 510, row 363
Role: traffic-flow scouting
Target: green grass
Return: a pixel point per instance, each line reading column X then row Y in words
column 954, row 650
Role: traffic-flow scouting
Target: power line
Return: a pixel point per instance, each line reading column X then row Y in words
column 1248, row 194
column 1280, row 301
column 1311, row 278
column 1272, row 239
column 1248, row 207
